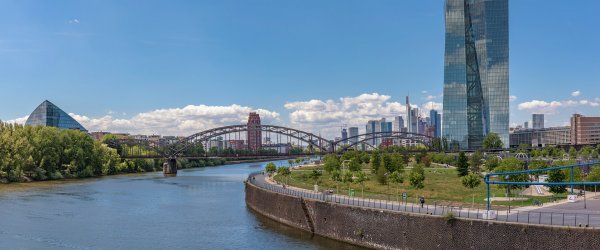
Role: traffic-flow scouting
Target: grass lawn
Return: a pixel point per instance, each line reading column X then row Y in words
column 441, row 185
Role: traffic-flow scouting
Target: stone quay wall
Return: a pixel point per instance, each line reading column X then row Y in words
column 381, row 229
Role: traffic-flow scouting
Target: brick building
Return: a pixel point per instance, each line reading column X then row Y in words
column 254, row 132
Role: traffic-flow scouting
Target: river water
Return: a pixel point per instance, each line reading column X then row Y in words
column 198, row 209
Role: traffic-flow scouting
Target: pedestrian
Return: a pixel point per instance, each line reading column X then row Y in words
column 422, row 200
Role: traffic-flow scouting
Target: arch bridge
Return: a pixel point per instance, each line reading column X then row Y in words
column 193, row 146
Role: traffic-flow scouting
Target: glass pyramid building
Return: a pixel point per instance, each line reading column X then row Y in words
column 48, row 114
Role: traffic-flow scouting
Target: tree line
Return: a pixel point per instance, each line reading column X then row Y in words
column 29, row 153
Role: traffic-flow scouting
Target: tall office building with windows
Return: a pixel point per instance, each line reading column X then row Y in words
column 352, row 135
column 537, row 121
column 254, row 133
column 475, row 72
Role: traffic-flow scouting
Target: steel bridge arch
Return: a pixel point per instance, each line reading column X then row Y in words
column 176, row 149
column 424, row 139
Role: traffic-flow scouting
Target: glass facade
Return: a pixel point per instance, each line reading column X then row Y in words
column 475, row 72
column 48, row 114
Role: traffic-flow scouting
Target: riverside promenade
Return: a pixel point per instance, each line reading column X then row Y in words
column 555, row 214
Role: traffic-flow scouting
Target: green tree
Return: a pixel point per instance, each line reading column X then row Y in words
column 285, row 172
column 492, row 141
column 538, row 164
column 475, row 162
column 375, row 161
column 557, row 176
column 331, row 163
column 511, row 164
column 381, row 175
column 361, row 177
column 336, row 177
column 398, row 161
column 471, row 181
column 270, row 168
column 462, row 164
column 572, row 153
column 315, row 175
column 397, row 178
column 354, row 165
column 291, row 162
column 492, row 163
column 388, row 163
column 586, row 152
column 426, row 161
column 594, row 174
column 347, row 178
column 416, row 177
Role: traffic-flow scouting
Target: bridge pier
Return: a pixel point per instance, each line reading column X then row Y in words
column 170, row 166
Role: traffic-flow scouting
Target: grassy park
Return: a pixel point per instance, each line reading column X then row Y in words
column 448, row 179
column 442, row 185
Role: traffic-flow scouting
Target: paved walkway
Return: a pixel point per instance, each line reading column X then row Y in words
column 560, row 214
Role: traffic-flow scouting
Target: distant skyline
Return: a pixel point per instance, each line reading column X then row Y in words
column 167, row 68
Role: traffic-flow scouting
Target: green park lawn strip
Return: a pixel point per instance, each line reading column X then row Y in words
column 442, row 186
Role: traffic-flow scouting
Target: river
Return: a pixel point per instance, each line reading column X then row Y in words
column 200, row 208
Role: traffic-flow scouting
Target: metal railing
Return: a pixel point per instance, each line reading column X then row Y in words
column 514, row 215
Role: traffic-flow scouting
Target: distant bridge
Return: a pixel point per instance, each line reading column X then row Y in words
column 196, row 145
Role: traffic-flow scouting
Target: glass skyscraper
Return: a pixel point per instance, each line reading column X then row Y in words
column 475, row 72
column 48, row 114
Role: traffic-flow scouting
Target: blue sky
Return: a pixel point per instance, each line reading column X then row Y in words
column 180, row 66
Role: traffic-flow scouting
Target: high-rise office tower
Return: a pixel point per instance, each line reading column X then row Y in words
column 371, row 128
column 398, row 123
column 254, row 135
column 344, row 136
column 537, row 121
column 414, row 120
column 435, row 122
column 408, row 115
column 352, row 135
column 386, row 127
column 438, row 125
column 475, row 72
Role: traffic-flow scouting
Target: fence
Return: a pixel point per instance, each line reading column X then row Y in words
column 526, row 217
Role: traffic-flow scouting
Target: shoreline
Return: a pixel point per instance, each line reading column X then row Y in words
column 12, row 187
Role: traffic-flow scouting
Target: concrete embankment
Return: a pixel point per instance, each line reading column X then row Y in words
column 398, row 230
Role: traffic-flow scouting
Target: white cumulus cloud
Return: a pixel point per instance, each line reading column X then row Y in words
column 177, row 121
column 20, row 120
column 327, row 116
column 575, row 93
column 173, row 121
column 552, row 106
column 513, row 98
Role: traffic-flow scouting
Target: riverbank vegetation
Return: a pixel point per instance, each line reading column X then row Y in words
column 37, row 153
